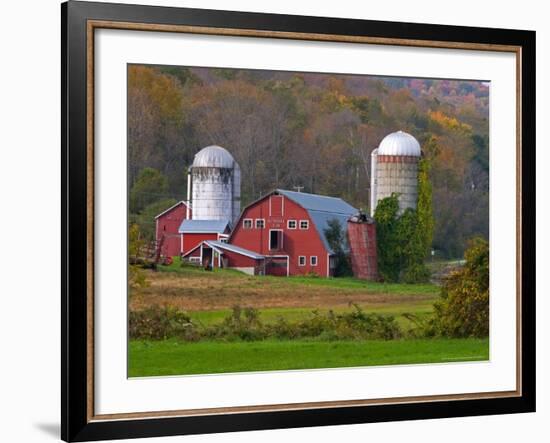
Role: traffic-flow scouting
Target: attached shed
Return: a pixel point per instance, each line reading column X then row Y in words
column 218, row 254
column 194, row 232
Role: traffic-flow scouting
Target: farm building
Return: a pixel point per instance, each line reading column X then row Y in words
column 167, row 225
column 285, row 233
column 220, row 254
column 362, row 246
column 214, row 180
column 394, row 166
column 193, row 232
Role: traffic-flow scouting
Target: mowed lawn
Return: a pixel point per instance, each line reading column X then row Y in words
column 209, row 296
column 172, row 357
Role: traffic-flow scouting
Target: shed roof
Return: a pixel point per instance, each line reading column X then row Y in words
column 232, row 248
column 203, row 226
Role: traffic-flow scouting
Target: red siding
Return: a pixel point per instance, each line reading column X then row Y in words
column 167, row 226
column 241, row 261
column 276, row 211
column 190, row 240
column 362, row 241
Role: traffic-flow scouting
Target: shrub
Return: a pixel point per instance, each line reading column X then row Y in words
column 157, row 323
column 463, row 309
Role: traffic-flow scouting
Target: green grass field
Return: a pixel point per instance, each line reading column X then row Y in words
column 172, row 357
column 209, row 296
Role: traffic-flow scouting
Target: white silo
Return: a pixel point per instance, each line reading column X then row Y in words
column 394, row 168
column 216, row 185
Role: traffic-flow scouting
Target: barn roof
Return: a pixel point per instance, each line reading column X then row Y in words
column 232, row 248
column 316, row 202
column 203, row 226
column 321, row 210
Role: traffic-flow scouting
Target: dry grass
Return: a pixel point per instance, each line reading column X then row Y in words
column 196, row 291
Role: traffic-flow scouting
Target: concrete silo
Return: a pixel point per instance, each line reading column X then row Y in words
column 394, row 168
column 215, row 180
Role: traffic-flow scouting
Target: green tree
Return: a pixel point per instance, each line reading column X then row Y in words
column 463, row 309
column 336, row 239
column 400, row 243
column 146, row 218
column 150, row 185
column 425, row 223
column 410, row 248
column 385, row 216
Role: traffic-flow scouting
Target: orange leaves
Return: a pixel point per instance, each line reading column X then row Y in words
column 449, row 123
column 162, row 90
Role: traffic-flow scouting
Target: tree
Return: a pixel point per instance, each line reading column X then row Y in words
column 424, row 207
column 411, row 248
column 400, row 243
column 463, row 308
column 150, row 185
column 387, row 242
column 336, row 239
column 146, row 218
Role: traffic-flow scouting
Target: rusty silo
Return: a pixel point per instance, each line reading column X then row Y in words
column 362, row 245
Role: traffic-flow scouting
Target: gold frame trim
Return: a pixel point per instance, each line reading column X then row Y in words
column 92, row 25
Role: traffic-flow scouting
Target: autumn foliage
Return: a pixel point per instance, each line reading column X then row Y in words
column 311, row 130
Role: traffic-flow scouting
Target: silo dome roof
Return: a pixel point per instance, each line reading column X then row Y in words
column 213, row 157
column 399, row 143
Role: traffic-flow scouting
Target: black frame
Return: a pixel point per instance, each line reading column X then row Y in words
column 74, row 421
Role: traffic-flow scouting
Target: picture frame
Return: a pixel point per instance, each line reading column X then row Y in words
column 80, row 21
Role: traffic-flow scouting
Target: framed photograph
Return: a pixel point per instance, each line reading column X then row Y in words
column 277, row 221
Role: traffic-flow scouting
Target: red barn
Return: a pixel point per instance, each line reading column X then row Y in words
column 167, row 225
column 194, row 232
column 288, row 229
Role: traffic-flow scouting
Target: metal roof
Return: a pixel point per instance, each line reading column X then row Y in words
column 321, row 210
column 214, row 157
column 399, row 143
column 315, row 202
column 232, row 248
column 203, row 226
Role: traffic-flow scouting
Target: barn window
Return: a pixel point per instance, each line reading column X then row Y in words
column 301, row 260
column 275, row 239
column 291, row 224
column 304, row 224
column 313, row 260
column 247, row 223
column 260, row 223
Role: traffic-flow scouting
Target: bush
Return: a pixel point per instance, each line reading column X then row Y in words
column 463, row 309
column 158, row 323
column 244, row 324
